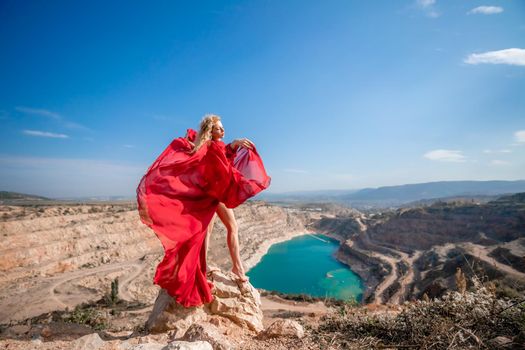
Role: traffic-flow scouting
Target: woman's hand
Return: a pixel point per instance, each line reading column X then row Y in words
column 242, row 143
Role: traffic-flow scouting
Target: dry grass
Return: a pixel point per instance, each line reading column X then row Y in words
column 456, row 321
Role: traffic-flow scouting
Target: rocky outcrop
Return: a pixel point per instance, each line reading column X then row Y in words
column 169, row 315
column 239, row 304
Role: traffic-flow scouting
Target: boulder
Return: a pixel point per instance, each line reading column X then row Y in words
column 210, row 333
column 240, row 304
column 167, row 314
column 186, row 345
column 88, row 342
column 284, row 328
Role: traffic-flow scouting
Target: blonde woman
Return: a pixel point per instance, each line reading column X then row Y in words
column 196, row 178
column 211, row 128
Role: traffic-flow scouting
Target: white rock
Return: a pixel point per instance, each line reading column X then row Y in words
column 186, row 345
column 242, row 307
column 287, row 328
column 167, row 315
column 210, row 333
column 88, row 342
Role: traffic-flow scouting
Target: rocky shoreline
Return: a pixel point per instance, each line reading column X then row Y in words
column 252, row 260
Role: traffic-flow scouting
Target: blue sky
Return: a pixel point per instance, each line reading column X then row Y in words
column 335, row 94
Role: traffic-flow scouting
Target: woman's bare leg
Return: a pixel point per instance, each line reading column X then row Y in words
column 208, row 234
column 228, row 219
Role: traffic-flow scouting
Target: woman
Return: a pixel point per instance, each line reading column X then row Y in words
column 179, row 196
column 225, row 214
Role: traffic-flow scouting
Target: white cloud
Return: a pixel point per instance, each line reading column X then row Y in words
column 508, row 56
column 499, row 162
column 428, row 7
column 295, row 171
column 444, row 155
column 433, row 14
column 519, row 136
column 39, row 133
column 490, row 151
column 73, row 125
column 38, row 111
column 486, row 10
column 51, row 115
column 426, row 3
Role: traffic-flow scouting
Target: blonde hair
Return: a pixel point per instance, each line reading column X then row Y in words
column 205, row 129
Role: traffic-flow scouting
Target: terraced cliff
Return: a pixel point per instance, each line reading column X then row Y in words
column 407, row 253
column 57, row 256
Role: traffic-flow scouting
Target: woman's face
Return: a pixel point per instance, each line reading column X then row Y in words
column 217, row 132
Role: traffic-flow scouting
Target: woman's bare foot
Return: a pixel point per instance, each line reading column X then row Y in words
column 240, row 275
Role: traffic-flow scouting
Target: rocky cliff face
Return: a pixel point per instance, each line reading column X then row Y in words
column 407, row 253
column 54, row 256
column 502, row 220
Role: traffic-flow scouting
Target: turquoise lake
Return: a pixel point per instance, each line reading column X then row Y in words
column 306, row 264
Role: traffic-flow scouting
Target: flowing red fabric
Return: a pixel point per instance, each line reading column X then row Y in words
column 177, row 198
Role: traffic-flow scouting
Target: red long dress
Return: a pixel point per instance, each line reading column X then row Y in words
column 177, row 198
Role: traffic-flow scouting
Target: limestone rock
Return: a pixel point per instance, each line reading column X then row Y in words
column 186, row 345
column 210, row 333
column 88, row 342
column 284, row 327
column 241, row 306
column 167, row 315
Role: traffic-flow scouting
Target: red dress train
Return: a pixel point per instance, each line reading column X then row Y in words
column 177, row 198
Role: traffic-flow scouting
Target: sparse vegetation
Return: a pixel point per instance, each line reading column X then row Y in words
column 112, row 297
column 455, row 321
column 87, row 315
column 461, row 282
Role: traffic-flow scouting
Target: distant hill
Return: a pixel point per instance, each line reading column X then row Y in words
column 15, row 196
column 304, row 196
column 393, row 196
column 431, row 190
